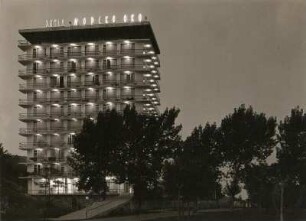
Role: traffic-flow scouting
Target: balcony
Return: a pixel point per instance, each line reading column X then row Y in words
column 51, row 174
column 23, row 44
column 50, row 116
column 24, row 74
column 95, row 99
column 94, row 84
column 44, row 145
column 44, row 159
column 83, row 54
column 51, row 130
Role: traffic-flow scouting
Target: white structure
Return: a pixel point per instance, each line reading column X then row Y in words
column 74, row 72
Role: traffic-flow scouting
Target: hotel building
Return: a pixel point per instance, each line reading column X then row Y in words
column 74, row 72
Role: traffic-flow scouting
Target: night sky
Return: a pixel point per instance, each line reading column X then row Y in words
column 215, row 54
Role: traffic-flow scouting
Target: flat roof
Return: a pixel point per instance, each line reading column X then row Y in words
column 87, row 33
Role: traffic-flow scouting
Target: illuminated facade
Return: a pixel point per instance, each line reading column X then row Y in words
column 74, row 72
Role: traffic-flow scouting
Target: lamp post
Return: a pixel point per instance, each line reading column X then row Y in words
column 87, row 198
column 281, row 215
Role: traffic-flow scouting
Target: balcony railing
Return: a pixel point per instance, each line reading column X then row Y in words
column 33, row 145
column 43, row 159
column 98, row 99
column 48, row 71
column 34, row 116
column 23, row 43
column 80, row 54
column 45, row 130
column 118, row 83
column 52, row 174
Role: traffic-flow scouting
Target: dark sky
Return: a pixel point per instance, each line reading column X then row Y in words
column 215, row 54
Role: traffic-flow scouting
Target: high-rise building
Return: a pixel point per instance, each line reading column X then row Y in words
column 74, row 72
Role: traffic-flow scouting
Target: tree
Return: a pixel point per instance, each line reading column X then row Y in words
column 291, row 156
column 148, row 142
column 261, row 181
column 194, row 173
column 132, row 147
column 94, row 151
column 246, row 138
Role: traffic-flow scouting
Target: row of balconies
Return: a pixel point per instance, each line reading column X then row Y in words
column 87, row 99
column 43, row 159
column 97, row 69
column 49, row 130
column 43, row 144
column 84, row 54
column 79, row 84
column 57, row 115
column 52, row 174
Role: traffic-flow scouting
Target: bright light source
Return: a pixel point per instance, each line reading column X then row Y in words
column 147, row 46
column 147, row 75
column 127, row 42
column 127, row 72
column 140, row 17
column 54, row 45
column 91, row 43
column 73, row 44
column 55, row 90
column 39, row 91
column 56, row 134
column 109, row 42
column 154, row 58
column 126, row 57
column 127, row 87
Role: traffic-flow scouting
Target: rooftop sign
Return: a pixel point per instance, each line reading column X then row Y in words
column 94, row 20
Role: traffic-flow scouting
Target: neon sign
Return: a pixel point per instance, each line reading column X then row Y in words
column 94, row 20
